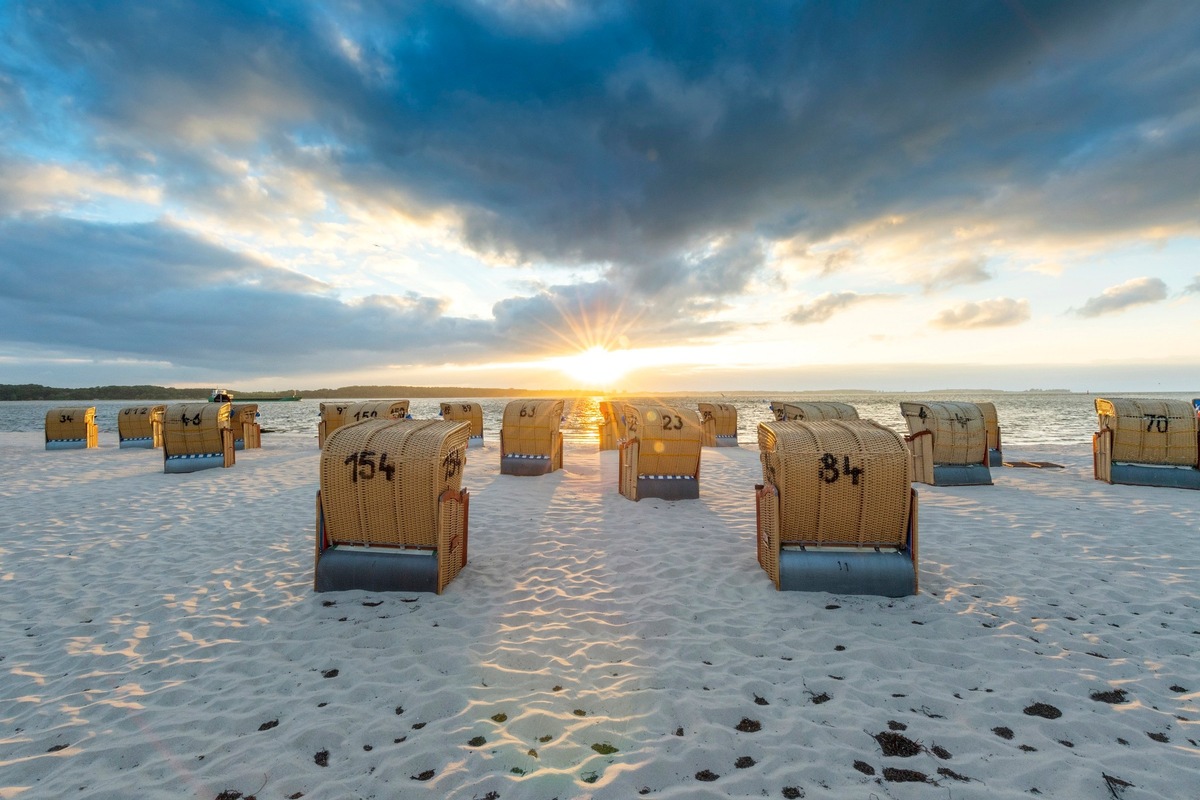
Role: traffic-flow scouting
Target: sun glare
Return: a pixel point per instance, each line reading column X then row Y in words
column 595, row 368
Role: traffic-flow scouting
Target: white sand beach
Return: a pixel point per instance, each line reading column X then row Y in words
column 161, row 639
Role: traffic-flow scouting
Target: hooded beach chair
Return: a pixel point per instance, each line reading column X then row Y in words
column 660, row 456
column 948, row 443
column 243, row 420
column 812, row 411
column 72, row 428
column 719, row 425
column 530, row 440
column 335, row 415
column 836, row 509
column 391, row 510
column 466, row 412
column 991, row 426
column 197, row 436
column 611, row 427
column 1147, row 443
column 140, row 426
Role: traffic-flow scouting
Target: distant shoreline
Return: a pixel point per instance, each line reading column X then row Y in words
column 37, row 392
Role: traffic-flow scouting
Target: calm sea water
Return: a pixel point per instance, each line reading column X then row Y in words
column 1026, row 418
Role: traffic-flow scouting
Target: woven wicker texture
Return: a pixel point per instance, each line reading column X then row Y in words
column 243, row 412
column 611, row 428
column 531, row 428
column 767, row 523
column 718, row 419
column 381, row 480
column 841, row 482
column 335, row 415
column 452, row 536
column 991, row 424
column 194, row 428
column 141, row 422
column 74, row 423
column 812, row 412
column 668, row 439
column 465, row 412
column 958, row 432
column 1148, row 431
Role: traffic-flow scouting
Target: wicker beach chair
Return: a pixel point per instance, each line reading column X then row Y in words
column 530, row 440
column 72, row 428
column 719, row 425
column 948, row 443
column 660, row 456
column 391, row 510
column 197, row 436
column 1147, row 443
column 836, row 509
column 611, row 427
column 991, row 426
column 243, row 419
column 466, row 412
column 812, row 411
column 140, row 426
column 335, row 415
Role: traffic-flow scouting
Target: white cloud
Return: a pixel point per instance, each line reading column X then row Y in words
column 1134, row 292
column 995, row 313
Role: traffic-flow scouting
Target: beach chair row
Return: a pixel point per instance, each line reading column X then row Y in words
column 192, row 435
column 836, row 511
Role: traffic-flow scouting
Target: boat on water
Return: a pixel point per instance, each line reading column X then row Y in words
column 226, row 396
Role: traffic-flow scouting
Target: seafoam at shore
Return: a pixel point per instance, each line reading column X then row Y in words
column 161, row 639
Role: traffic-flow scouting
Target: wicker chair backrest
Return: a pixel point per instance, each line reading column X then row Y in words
column 1149, row 431
column 669, row 438
column 812, row 411
column 841, row 482
column 69, row 423
column 465, row 412
column 194, row 428
column 381, row 480
column 991, row 424
column 530, row 427
column 243, row 412
column 138, row 422
column 610, row 412
column 959, row 436
column 723, row 417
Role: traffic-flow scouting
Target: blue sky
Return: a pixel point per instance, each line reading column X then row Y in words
column 705, row 196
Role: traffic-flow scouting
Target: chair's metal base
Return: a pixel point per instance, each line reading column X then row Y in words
column 962, row 475
column 67, row 444
column 181, row 464
column 525, row 465
column 1146, row 475
column 380, row 571
column 143, row 442
column 668, row 487
column 890, row 574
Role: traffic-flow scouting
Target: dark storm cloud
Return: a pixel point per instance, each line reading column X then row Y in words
column 1133, row 292
column 631, row 133
column 150, row 291
column 996, row 313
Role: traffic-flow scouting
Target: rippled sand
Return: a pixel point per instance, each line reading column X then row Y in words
column 160, row 638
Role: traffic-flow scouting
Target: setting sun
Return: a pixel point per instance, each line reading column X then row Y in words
column 595, row 367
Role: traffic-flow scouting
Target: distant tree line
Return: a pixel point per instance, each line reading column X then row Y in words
column 34, row 391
